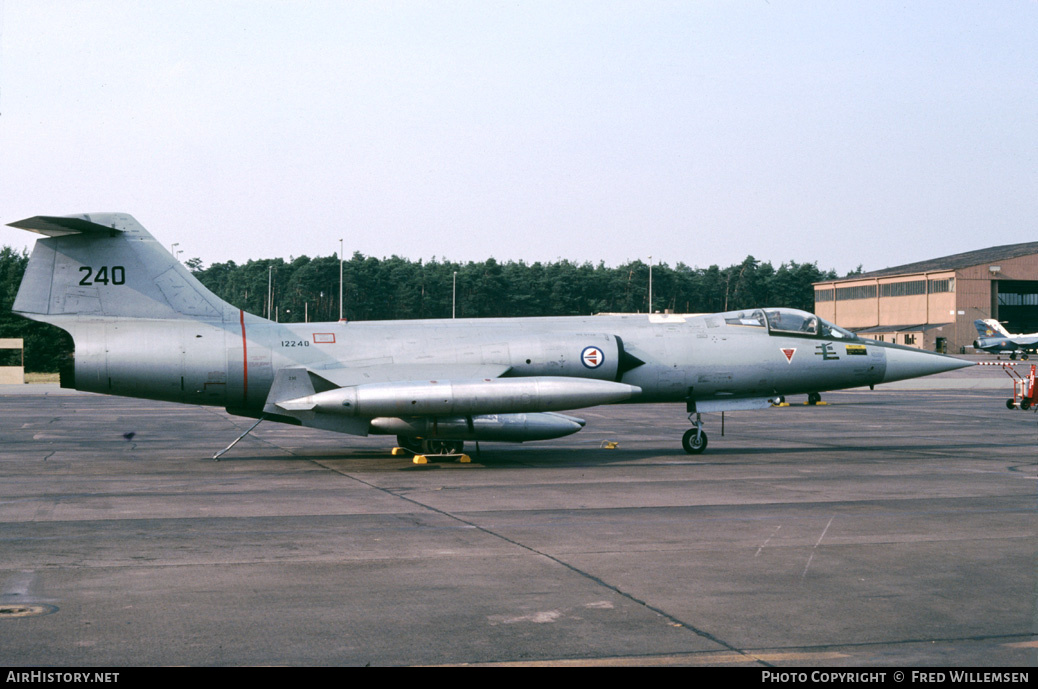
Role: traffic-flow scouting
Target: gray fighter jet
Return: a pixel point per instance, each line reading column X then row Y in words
column 994, row 338
column 143, row 326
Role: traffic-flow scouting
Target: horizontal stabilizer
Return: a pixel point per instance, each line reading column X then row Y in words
column 57, row 226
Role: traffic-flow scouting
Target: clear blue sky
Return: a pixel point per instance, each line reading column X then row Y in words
column 846, row 133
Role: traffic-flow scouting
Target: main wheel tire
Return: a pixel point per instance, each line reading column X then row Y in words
column 690, row 443
column 813, row 398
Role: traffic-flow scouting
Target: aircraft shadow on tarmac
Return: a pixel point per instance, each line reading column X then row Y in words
column 550, row 457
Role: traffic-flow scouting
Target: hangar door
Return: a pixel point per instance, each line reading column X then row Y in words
column 1016, row 304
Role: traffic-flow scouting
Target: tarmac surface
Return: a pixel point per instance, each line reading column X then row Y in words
column 895, row 527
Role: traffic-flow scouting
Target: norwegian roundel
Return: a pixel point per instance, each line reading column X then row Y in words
column 592, row 357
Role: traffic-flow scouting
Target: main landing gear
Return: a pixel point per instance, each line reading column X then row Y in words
column 431, row 446
column 813, row 398
column 425, row 450
column 694, row 440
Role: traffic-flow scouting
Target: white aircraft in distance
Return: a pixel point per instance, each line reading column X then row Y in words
column 993, row 338
column 143, row 326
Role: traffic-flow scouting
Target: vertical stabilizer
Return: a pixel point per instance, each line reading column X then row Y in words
column 996, row 326
column 106, row 265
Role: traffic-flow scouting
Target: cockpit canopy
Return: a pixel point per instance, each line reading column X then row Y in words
column 788, row 322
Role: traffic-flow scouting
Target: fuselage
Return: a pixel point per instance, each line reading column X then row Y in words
column 144, row 326
column 233, row 362
column 996, row 345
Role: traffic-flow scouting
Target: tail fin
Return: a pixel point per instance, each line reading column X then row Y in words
column 989, row 327
column 106, row 265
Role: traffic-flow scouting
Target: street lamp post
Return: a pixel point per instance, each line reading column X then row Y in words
column 270, row 292
column 650, row 285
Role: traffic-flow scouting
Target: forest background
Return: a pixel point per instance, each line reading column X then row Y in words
column 307, row 289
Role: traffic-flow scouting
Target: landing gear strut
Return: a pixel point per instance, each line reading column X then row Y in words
column 694, row 440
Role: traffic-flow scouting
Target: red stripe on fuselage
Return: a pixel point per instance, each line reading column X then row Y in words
column 244, row 361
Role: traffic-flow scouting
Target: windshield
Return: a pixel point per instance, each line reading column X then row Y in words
column 796, row 322
column 790, row 321
column 835, row 331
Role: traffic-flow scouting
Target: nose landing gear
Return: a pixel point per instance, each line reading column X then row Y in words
column 694, row 441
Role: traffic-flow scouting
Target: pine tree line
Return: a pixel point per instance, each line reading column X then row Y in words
column 397, row 288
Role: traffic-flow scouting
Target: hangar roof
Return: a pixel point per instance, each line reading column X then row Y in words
column 956, row 261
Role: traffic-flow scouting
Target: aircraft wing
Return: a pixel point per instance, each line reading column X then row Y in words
column 292, row 384
column 315, row 398
column 346, row 375
column 1024, row 340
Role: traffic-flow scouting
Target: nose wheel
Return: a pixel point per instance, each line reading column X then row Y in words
column 694, row 441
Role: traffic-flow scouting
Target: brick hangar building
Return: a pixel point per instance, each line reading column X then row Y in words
column 932, row 304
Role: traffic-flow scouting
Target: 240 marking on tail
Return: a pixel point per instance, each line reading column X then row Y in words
column 118, row 275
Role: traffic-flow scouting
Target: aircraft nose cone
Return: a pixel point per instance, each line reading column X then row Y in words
column 914, row 363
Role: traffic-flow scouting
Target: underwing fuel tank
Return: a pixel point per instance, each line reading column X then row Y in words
column 463, row 398
column 514, row 428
